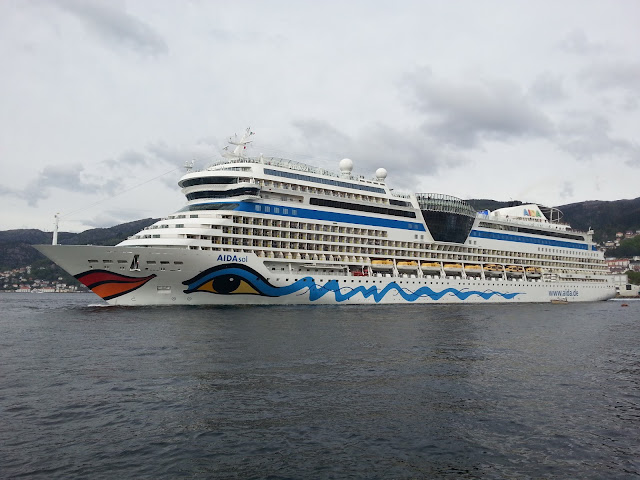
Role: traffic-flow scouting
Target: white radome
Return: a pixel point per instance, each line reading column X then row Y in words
column 346, row 165
column 381, row 173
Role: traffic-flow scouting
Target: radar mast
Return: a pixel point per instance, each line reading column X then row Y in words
column 240, row 143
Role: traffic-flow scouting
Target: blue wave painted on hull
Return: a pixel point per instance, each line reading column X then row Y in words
column 233, row 279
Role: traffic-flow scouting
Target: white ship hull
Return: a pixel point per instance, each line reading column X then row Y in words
column 263, row 230
column 124, row 275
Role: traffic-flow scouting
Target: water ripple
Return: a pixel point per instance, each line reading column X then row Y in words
column 422, row 391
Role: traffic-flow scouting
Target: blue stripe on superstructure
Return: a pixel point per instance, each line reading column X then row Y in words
column 305, row 213
column 522, row 239
column 328, row 216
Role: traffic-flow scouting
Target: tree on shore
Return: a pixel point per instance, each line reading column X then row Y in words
column 634, row 277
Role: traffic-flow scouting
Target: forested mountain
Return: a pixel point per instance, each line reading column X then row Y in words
column 606, row 218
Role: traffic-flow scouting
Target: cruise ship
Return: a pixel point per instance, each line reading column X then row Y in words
column 265, row 230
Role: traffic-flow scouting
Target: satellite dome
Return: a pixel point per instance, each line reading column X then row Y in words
column 346, row 165
column 381, row 173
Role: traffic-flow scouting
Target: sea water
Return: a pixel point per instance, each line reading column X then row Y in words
column 288, row 392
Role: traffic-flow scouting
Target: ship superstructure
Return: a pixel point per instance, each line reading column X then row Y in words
column 269, row 230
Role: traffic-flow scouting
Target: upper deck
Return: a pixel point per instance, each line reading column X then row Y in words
column 267, row 177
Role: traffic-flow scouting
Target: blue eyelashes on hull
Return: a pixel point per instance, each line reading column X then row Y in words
column 232, row 279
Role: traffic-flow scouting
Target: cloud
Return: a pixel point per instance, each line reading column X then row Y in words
column 160, row 151
column 202, row 154
column 567, row 190
column 64, row 177
column 405, row 154
column 177, row 155
column 588, row 137
column 109, row 218
column 632, row 154
column 606, row 76
column 127, row 166
column 251, row 38
column 465, row 114
column 127, row 159
column 547, row 87
column 323, row 139
column 576, row 42
column 115, row 27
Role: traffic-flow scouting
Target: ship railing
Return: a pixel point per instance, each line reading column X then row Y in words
column 439, row 202
column 401, row 195
column 523, row 221
column 291, row 165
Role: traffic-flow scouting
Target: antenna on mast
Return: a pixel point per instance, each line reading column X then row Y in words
column 241, row 144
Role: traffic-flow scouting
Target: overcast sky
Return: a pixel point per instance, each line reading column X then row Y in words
column 102, row 102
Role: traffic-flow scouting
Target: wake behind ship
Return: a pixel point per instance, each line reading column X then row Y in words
column 265, row 230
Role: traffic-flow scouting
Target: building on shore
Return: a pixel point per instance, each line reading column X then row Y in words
column 628, row 290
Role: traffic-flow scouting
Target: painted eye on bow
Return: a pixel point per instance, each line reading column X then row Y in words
column 228, row 284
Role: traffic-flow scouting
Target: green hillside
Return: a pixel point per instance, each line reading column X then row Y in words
column 606, row 218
